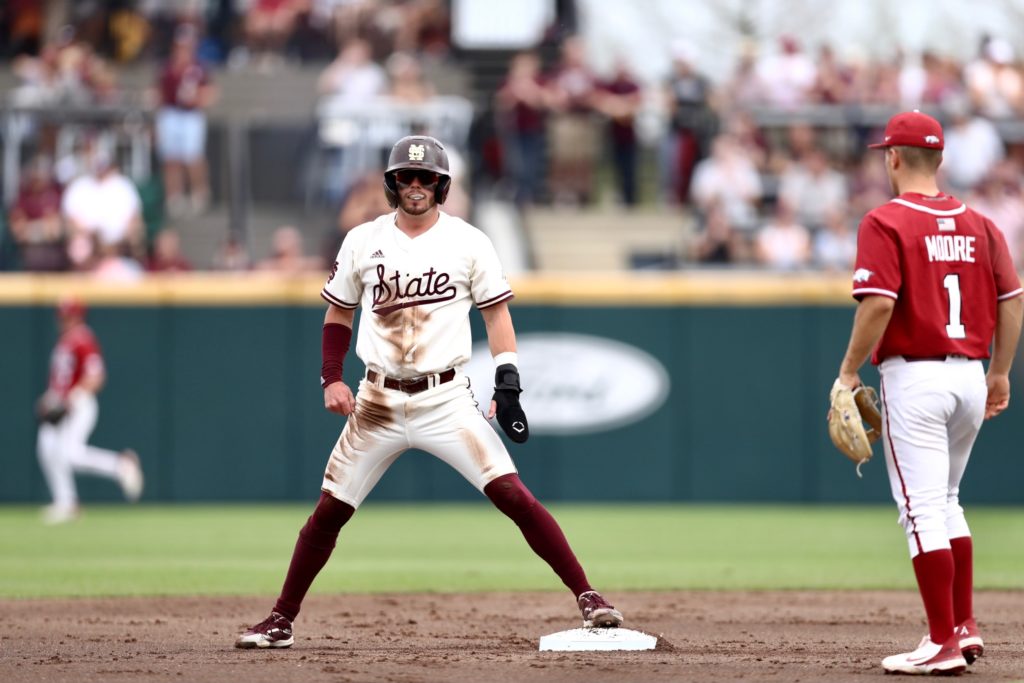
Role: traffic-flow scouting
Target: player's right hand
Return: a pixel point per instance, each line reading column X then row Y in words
column 338, row 398
column 998, row 394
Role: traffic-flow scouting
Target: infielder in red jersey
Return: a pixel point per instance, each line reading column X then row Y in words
column 937, row 288
column 415, row 273
column 67, row 414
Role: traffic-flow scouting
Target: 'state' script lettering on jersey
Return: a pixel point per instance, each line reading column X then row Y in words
column 950, row 248
column 395, row 291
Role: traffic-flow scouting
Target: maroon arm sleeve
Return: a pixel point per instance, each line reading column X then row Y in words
column 333, row 347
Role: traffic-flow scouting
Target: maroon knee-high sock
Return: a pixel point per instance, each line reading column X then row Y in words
column 312, row 550
column 934, row 572
column 963, row 578
column 541, row 530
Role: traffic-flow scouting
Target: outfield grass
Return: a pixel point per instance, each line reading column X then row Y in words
column 192, row 549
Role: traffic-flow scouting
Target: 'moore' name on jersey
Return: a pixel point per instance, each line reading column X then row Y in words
column 419, row 290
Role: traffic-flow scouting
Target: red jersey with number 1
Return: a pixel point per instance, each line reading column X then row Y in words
column 76, row 352
column 946, row 266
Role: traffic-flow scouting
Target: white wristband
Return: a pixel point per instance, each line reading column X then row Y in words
column 505, row 357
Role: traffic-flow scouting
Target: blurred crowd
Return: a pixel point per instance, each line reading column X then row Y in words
column 786, row 191
column 765, row 182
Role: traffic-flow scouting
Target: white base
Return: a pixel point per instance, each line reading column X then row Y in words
column 597, row 639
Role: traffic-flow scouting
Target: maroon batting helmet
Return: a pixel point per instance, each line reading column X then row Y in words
column 417, row 152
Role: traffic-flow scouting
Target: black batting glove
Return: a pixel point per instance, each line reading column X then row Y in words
column 506, row 395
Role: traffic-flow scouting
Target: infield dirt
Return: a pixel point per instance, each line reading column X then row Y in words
column 705, row 636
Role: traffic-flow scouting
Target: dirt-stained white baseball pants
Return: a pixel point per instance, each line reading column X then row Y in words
column 444, row 420
column 931, row 414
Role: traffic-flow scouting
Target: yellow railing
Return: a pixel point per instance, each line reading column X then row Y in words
column 586, row 289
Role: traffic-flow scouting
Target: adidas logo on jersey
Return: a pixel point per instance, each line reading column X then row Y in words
column 377, row 254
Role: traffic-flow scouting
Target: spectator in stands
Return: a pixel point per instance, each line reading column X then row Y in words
column 268, row 26
column 364, row 202
column 942, row 80
column 185, row 90
column 787, row 77
column 973, row 148
column 407, row 85
column 287, row 254
column 113, row 262
column 835, row 245
column 693, row 121
column 35, row 220
column 619, row 99
column 719, row 243
column 999, row 197
column 575, row 137
column 832, row 80
column 24, row 27
column 232, row 255
column 744, row 88
column 783, row 243
column 353, row 77
column 811, row 187
column 520, row 113
column 995, row 84
column 167, row 256
column 869, row 186
column 730, row 178
column 101, row 206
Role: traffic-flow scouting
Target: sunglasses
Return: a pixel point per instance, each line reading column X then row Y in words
column 426, row 179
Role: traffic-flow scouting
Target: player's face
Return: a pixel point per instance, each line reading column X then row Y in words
column 416, row 190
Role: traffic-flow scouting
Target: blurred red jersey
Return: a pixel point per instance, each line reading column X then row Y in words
column 946, row 266
column 76, row 350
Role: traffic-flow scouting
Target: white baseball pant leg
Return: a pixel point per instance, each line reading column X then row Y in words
column 444, row 421
column 64, row 450
column 931, row 414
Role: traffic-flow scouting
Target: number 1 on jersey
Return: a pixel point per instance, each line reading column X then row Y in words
column 955, row 329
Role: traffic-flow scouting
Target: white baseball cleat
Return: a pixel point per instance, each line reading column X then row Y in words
column 274, row 631
column 59, row 514
column 130, row 475
column 929, row 658
column 971, row 644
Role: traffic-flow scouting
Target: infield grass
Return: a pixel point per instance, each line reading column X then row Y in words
column 235, row 549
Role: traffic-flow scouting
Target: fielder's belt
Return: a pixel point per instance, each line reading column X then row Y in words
column 413, row 385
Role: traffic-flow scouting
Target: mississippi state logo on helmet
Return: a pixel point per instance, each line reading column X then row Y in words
column 417, row 152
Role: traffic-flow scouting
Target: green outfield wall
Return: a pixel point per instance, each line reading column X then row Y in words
column 218, row 392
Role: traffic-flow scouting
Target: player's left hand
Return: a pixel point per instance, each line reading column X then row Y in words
column 505, row 403
column 998, row 394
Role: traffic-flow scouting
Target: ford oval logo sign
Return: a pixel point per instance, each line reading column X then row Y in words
column 576, row 383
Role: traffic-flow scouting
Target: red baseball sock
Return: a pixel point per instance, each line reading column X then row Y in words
column 312, row 550
column 934, row 572
column 540, row 529
column 963, row 578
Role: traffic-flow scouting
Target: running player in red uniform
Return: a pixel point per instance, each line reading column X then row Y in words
column 937, row 288
column 68, row 412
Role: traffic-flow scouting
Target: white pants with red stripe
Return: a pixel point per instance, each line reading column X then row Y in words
column 931, row 414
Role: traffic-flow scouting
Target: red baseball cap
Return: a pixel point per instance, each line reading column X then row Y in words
column 912, row 129
column 71, row 306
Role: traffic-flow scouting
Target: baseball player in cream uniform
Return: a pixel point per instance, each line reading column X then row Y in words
column 937, row 288
column 415, row 274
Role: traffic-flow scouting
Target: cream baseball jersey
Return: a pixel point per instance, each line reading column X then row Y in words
column 415, row 293
column 946, row 265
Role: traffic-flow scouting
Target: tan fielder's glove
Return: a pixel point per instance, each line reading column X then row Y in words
column 851, row 408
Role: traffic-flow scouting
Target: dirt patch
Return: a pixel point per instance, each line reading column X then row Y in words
column 708, row 636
